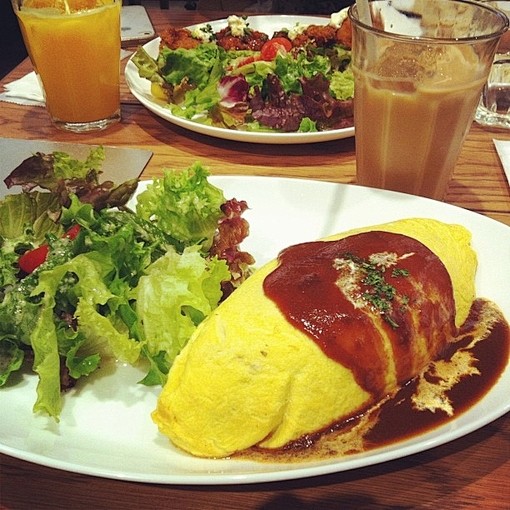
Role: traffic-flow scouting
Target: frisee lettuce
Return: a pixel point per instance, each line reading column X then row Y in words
column 185, row 204
column 131, row 286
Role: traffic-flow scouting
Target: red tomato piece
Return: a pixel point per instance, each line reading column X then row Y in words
column 73, row 231
column 274, row 46
column 32, row 259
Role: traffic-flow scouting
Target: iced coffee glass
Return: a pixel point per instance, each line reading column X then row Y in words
column 419, row 68
column 74, row 46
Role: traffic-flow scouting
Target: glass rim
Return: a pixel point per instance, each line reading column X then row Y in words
column 444, row 40
column 18, row 4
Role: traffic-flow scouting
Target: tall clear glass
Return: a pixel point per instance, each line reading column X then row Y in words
column 419, row 68
column 494, row 108
column 74, row 46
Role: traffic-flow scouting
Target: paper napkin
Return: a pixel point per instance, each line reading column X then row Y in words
column 27, row 90
column 503, row 148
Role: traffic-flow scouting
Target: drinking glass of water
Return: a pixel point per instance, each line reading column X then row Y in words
column 494, row 108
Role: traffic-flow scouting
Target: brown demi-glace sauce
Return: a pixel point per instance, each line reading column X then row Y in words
column 484, row 340
column 490, row 333
column 349, row 295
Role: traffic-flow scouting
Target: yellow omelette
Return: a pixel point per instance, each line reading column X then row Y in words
column 249, row 377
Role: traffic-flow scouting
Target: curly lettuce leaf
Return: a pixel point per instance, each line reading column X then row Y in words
column 67, row 167
column 91, row 294
column 194, row 65
column 172, row 298
column 11, row 358
column 255, row 72
column 196, row 102
column 28, row 210
column 8, row 269
column 19, row 312
column 342, row 84
column 131, row 241
column 78, row 362
column 146, row 65
column 307, row 125
column 184, row 203
column 291, row 70
column 47, row 361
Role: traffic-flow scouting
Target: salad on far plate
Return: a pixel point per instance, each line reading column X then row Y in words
column 295, row 80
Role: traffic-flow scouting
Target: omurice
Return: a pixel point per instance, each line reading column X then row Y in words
column 319, row 335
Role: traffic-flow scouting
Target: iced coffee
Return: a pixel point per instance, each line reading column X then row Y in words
column 415, row 98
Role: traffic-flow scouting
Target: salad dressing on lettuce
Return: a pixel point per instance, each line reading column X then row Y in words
column 125, row 285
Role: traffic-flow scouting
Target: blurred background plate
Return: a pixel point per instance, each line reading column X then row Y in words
column 141, row 89
column 120, row 164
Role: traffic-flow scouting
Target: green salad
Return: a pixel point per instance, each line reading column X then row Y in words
column 247, row 80
column 84, row 279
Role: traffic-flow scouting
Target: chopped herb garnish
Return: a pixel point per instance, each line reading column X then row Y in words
column 208, row 29
column 378, row 293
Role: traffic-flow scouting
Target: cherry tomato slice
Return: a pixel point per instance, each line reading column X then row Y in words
column 274, row 46
column 73, row 231
column 32, row 259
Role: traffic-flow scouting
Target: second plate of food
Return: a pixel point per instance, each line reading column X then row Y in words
column 141, row 89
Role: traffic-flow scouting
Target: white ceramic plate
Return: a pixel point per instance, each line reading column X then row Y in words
column 140, row 88
column 106, row 429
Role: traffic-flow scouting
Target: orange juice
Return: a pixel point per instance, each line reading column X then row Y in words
column 75, row 50
column 411, row 128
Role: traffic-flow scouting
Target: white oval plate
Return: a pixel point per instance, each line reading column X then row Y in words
column 140, row 88
column 106, row 429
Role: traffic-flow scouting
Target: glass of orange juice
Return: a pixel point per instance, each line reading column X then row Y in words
column 419, row 68
column 74, row 46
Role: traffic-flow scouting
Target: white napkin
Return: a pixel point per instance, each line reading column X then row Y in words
column 27, row 90
column 503, row 148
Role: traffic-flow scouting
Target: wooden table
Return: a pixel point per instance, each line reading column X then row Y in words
column 471, row 472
